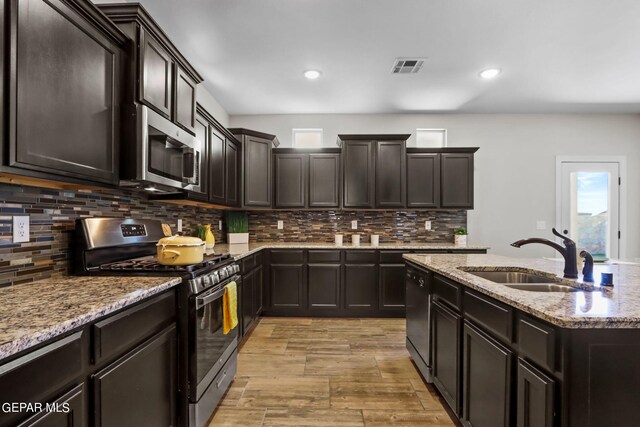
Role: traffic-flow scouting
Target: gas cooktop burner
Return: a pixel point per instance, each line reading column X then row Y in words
column 150, row 263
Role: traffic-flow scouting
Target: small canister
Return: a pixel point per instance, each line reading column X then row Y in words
column 338, row 239
column 375, row 240
column 607, row 279
column 355, row 240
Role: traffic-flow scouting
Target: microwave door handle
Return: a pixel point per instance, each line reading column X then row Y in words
column 188, row 164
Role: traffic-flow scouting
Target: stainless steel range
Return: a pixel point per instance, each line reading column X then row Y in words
column 208, row 357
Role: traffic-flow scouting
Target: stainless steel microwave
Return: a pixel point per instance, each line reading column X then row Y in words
column 164, row 157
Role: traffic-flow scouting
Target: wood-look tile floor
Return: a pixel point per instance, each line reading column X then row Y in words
column 328, row 372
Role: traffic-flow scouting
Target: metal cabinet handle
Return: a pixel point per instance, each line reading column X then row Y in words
column 421, row 282
column 219, row 383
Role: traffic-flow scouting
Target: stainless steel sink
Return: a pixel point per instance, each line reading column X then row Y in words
column 513, row 277
column 543, row 287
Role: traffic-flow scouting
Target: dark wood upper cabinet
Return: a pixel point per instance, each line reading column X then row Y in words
column 185, row 100
column 290, row 180
column 456, row 172
column 156, row 79
column 324, row 180
column 64, row 89
column 390, row 174
column 359, row 174
column 158, row 74
column 256, row 167
column 232, row 159
column 423, row 180
column 217, row 167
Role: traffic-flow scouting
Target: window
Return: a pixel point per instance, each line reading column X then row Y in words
column 431, row 138
column 307, row 138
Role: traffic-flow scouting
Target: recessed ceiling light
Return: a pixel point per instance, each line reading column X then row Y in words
column 312, row 74
column 490, row 73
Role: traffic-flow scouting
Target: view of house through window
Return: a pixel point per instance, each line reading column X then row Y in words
column 307, row 138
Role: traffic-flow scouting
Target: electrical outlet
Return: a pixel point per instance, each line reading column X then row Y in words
column 354, row 224
column 219, row 224
column 20, row 229
column 179, row 226
column 280, row 225
column 427, row 225
column 541, row 225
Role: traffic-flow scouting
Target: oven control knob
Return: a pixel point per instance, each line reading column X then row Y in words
column 236, row 268
column 214, row 278
column 195, row 284
column 223, row 273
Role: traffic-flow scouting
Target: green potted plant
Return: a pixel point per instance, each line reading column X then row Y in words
column 237, row 227
column 460, row 236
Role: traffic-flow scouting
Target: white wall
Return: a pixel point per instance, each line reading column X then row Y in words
column 209, row 103
column 515, row 166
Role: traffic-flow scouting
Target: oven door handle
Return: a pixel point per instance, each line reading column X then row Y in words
column 206, row 299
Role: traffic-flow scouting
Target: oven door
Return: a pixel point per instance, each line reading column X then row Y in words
column 209, row 346
column 170, row 156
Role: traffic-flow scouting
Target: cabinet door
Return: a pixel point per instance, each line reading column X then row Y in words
column 361, row 287
column 202, row 133
column 324, row 287
column 257, row 171
column 359, row 174
column 392, row 287
column 535, row 397
column 71, row 412
column 486, row 380
column 248, row 296
column 64, row 93
column 258, row 291
column 287, row 284
column 390, row 174
column 139, row 389
column 185, row 100
column 423, row 180
column 290, row 180
column 324, row 180
column 456, row 172
column 156, row 80
column 445, row 339
column 231, row 159
column 217, row 170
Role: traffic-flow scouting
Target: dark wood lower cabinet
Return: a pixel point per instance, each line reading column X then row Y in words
column 361, row 287
column 247, row 296
column 445, row 336
column 139, row 389
column 392, row 287
column 287, row 284
column 69, row 411
column 324, row 287
column 486, row 380
column 258, row 291
column 535, row 397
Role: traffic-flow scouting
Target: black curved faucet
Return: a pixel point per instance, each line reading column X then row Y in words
column 568, row 252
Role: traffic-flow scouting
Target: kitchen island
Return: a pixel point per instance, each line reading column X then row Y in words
column 504, row 356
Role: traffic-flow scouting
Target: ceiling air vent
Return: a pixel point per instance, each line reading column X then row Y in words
column 407, row 65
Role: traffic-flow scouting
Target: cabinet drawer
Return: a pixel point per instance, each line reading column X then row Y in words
column 287, row 256
column 324, row 256
column 116, row 334
column 391, row 257
column 248, row 263
column 488, row 313
column 537, row 342
column 361, row 256
column 446, row 291
column 42, row 374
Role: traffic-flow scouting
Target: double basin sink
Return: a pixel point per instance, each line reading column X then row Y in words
column 525, row 281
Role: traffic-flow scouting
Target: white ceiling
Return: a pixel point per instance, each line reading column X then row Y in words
column 556, row 55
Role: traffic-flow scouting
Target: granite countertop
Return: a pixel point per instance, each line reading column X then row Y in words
column 242, row 250
column 35, row 312
column 617, row 307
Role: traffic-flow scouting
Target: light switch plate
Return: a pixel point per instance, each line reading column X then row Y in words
column 354, row 224
column 220, row 224
column 179, row 225
column 280, row 224
column 427, row 225
column 20, row 229
column 541, row 225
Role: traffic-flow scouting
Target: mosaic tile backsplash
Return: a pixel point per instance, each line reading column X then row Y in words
column 52, row 217
column 53, row 214
column 321, row 226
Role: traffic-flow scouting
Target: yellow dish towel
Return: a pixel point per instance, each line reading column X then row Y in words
column 230, row 307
